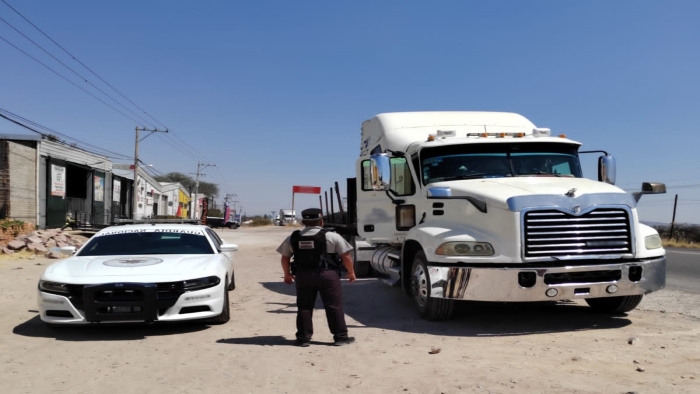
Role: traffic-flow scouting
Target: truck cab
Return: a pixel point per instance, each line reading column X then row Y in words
column 486, row 206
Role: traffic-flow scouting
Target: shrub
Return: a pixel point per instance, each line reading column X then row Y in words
column 12, row 226
column 258, row 221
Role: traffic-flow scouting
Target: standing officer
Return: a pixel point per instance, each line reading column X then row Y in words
column 315, row 252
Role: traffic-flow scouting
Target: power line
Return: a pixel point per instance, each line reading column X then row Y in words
column 81, row 63
column 48, row 136
column 73, row 71
column 35, row 124
column 197, row 155
column 68, row 80
column 179, row 149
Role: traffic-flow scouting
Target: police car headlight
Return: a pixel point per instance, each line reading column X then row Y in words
column 465, row 248
column 653, row 242
column 201, row 283
column 53, row 287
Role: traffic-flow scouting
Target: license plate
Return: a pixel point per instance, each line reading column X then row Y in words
column 125, row 309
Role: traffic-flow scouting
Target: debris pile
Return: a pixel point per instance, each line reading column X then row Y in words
column 44, row 242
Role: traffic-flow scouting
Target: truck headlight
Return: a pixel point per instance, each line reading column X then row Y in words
column 53, row 287
column 465, row 248
column 653, row 242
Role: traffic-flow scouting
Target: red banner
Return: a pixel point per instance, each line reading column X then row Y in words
column 306, row 189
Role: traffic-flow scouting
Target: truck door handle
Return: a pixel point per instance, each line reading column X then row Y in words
column 369, row 228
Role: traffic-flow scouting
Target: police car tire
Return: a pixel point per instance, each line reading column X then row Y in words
column 225, row 315
column 621, row 304
column 232, row 285
column 433, row 309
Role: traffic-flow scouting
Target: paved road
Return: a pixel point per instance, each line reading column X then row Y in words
column 683, row 269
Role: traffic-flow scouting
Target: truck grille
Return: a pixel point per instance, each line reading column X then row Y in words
column 552, row 233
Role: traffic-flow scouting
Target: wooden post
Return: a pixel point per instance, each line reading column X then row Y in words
column 673, row 219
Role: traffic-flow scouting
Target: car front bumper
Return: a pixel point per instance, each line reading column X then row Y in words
column 568, row 282
column 92, row 307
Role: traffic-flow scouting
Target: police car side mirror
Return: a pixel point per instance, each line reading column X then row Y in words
column 226, row 248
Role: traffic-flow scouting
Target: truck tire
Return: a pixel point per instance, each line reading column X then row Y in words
column 361, row 268
column 429, row 308
column 615, row 304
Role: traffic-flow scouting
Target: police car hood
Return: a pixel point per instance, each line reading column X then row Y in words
column 131, row 268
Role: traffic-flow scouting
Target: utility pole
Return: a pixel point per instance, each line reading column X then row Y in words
column 134, row 190
column 673, row 220
column 200, row 166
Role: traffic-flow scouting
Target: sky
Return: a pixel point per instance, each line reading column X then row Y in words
column 273, row 93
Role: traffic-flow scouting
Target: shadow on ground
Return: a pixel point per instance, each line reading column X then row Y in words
column 101, row 332
column 371, row 303
column 271, row 340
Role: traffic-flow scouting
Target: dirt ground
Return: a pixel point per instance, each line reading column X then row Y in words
column 516, row 348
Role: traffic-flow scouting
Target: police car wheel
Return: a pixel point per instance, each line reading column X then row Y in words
column 232, row 285
column 225, row 315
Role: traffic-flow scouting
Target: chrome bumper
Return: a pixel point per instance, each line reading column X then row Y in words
column 501, row 284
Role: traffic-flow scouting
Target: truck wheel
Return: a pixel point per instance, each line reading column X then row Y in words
column 225, row 312
column 615, row 304
column 361, row 268
column 429, row 308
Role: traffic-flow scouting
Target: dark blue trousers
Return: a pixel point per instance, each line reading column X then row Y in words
column 327, row 283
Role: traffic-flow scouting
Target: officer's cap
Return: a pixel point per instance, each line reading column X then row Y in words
column 312, row 214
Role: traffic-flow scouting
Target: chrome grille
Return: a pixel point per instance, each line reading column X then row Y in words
column 552, row 233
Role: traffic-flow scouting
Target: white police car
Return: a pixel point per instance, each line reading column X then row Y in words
column 144, row 272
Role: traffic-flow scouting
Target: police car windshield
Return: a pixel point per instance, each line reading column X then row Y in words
column 141, row 242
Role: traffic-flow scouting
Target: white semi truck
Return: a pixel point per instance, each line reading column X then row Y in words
column 286, row 216
column 485, row 206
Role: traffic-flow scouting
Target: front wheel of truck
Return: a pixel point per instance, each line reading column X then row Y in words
column 615, row 304
column 428, row 307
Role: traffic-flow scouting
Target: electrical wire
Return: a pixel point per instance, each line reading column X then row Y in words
column 75, row 72
column 175, row 135
column 172, row 133
column 48, row 136
column 69, row 81
column 81, row 63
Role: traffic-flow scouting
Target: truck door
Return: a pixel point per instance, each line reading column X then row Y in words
column 378, row 217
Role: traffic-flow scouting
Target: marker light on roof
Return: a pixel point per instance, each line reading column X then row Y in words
column 562, row 135
column 501, row 135
column 520, row 135
column 431, row 137
column 484, row 134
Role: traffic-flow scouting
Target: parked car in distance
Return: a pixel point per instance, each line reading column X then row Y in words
column 219, row 222
column 146, row 272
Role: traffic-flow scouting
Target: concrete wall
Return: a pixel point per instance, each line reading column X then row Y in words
column 18, row 192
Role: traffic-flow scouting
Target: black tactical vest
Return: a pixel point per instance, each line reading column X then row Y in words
column 310, row 252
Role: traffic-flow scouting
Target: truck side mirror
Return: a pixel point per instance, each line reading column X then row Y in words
column 380, row 171
column 606, row 169
column 650, row 188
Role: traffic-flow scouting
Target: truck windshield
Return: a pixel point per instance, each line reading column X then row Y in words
column 473, row 161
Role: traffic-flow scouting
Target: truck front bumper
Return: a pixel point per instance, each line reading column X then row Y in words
column 526, row 284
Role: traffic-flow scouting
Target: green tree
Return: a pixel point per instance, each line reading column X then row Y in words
column 208, row 188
